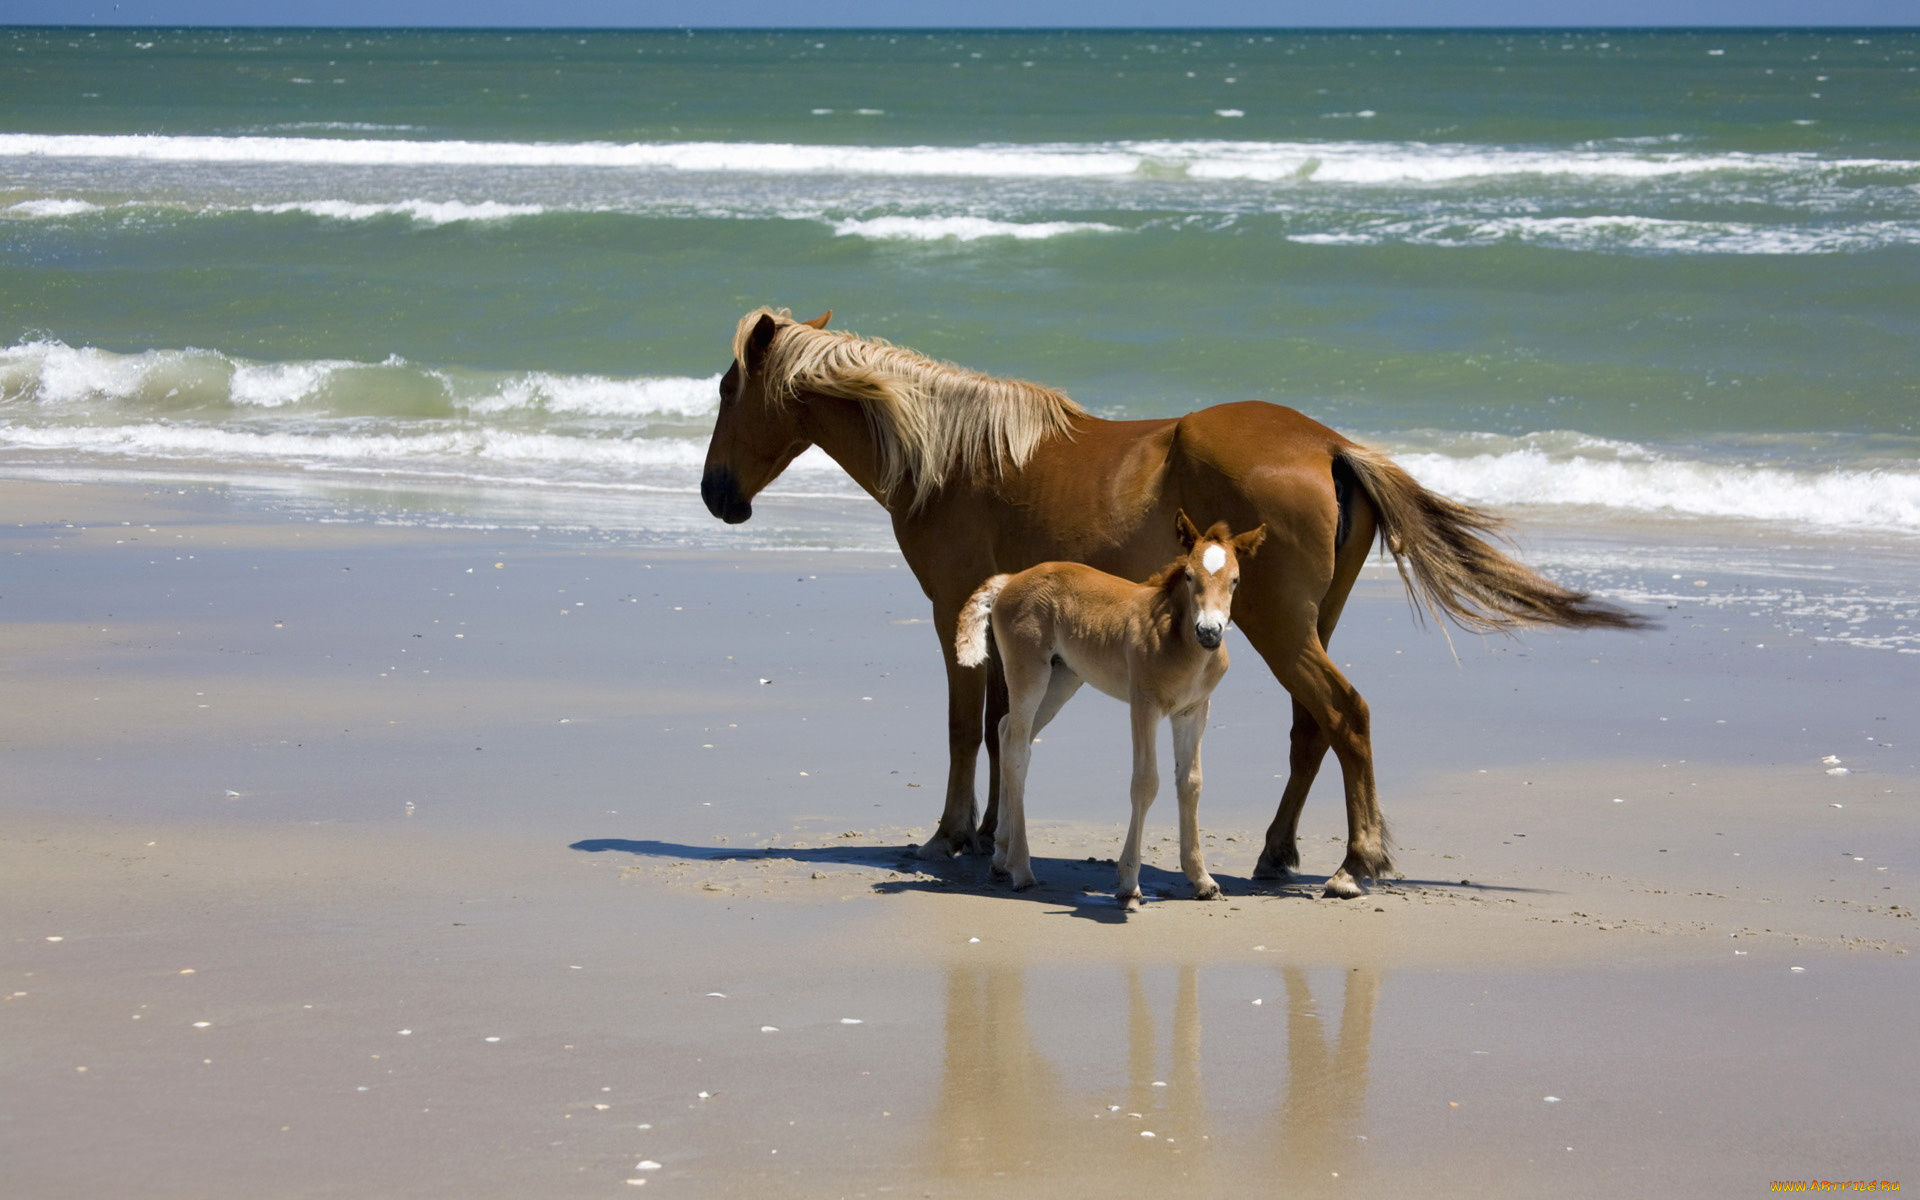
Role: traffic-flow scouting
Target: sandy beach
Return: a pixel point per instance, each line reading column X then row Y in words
column 351, row 859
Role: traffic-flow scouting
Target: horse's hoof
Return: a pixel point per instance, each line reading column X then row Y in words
column 1343, row 887
column 1130, row 901
column 1267, row 868
column 1207, row 891
column 999, row 871
column 935, row 849
column 1025, row 885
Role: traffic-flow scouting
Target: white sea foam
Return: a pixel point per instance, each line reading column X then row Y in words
column 54, row 375
column 962, row 229
column 534, row 426
column 1643, row 481
column 1628, row 233
column 1373, row 163
column 275, row 385
column 426, row 212
column 586, row 395
column 470, row 452
column 49, row 208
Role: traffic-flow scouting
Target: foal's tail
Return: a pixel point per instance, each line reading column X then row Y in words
column 1448, row 565
column 970, row 640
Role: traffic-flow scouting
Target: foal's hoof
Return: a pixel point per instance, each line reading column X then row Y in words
column 938, row 848
column 1343, row 886
column 1027, row 884
column 1130, row 901
column 1206, row 889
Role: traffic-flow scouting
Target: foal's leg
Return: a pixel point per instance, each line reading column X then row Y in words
column 1027, row 687
column 1188, row 727
column 1061, row 685
column 996, row 709
column 1146, row 780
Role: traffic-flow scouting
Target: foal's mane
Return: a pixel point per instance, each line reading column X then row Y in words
column 932, row 421
column 1166, row 577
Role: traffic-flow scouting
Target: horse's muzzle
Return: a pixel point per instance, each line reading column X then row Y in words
column 1209, row 636
column 722, row 494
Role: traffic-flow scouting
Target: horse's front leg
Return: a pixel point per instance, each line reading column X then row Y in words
column 1188, row 727
column 1146, row 781
column 966, row 691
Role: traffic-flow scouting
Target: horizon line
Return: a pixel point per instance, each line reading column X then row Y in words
column 1072, row 29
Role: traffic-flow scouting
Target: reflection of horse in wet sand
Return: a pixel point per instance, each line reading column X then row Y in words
column 1155, row 645
column 985, row 475
column 1025, row 1109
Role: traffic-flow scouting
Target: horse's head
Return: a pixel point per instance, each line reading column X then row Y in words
column 756, row 435
column 1210, row 573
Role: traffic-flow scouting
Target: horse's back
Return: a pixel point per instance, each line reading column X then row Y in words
column 1252, row 463
column 1252, row 436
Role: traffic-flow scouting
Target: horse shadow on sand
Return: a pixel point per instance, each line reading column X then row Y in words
column 1085, row 886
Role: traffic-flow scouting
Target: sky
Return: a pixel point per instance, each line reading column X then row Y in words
column 823, row 14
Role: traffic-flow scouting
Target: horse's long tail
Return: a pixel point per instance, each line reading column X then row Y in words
column 970, row 640
column 1440, row 547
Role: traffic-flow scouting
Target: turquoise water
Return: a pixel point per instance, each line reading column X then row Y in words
column 1599, row 278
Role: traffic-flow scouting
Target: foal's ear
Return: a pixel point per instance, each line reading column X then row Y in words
column 1248, row 542
column 1185, row 528
column 758, row 341
column 819, row 322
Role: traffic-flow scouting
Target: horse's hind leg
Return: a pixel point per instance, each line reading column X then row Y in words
column 1146, row 781
column 1298, row 660
column 1188, row 727
column 1308, row 742
column 1280, row 857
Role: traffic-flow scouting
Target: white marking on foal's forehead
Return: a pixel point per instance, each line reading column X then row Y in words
column 1213, row 558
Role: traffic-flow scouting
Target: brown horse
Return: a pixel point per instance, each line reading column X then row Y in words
column 984, row 476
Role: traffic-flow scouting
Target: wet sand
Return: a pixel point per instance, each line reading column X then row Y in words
column 340, row 859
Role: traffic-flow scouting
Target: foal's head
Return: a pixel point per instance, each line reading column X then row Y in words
column 1210, row 571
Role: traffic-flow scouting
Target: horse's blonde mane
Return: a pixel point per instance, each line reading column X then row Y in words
column 932, row 421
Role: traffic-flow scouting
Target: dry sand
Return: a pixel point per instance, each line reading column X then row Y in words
column 345, row 860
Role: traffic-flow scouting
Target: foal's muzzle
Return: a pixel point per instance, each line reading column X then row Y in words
column 1209, row 636
column 722, row 494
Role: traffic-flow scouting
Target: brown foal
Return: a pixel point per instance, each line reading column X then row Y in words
column 1156, row 645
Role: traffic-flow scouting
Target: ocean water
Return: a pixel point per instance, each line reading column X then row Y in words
column 1656, row 294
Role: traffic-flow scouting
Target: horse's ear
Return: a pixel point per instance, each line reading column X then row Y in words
column 819, row 322
column 758, row 341
column 1248, row 542
column 1185, row 528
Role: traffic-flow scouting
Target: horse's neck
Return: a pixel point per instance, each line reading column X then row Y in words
column 842, row 431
